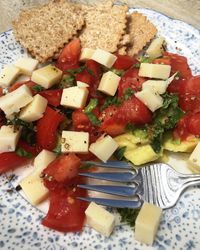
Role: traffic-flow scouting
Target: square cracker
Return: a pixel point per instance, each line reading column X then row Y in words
column 141, row 31
column 45, row 30
column 105, row 25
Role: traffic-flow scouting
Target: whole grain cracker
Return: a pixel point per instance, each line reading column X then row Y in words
column 104, row 26
column 141, row 31
column 44, row 30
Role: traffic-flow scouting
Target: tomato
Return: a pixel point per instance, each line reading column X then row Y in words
column 189, row 95
column 164, row 60
column 194, row 124
column 176, row 85
column 69, row 56
column 53, row 96
column 47, row 127
column 132, row 110
column 80, row 121
column 64, row 168
column 28, row 148
column 124, row 62
column 95, row 67
column 130, row 80
column 179, row 63
column 1, row 91
column 10, row 160
column 66, row 212
column 85, row 77
column 29, row 84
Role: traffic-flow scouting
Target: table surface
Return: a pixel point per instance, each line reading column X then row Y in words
column 186, row 10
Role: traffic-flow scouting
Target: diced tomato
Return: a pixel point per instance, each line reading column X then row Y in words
column 94, row 67
column 132, row 110
column 194, row 124
column 179, row 63
column 47, row 127
column 64, row 168
column 11, row 160
column 124, row 62
column 181, row 129
column 69, row 56
column 28, row 148
column 164, row 60
column 130, row 80
column 85, row 77
column 189, row 95
column 80, row 121
column 176, row 85
column 66, row 212
column 29, row 84
column 53, row 96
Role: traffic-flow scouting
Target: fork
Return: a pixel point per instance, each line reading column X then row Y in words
column 157, row 183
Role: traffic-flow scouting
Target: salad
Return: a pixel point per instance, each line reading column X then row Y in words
column 137, row 107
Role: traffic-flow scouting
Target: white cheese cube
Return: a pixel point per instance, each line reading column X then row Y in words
column 109, row 83
column 74, row 142
column 13, row 101
column 47, row 76
column 74, row 97
column 9, row 136
column 86, row 54
column 34, row 110
column 156, row 86
column 194, row 159
column 150, row 99
column 158, row 71
column 104, row 147
column 32, row 185
column 100, row 219
column 155, row 49
column 103, row 57
column 82, row 84
column 26, row 65
column 147, row 223
column 8, row 75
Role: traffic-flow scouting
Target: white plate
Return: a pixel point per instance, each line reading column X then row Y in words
column 180, row 226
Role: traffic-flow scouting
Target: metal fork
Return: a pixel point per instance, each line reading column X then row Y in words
column 157, row 183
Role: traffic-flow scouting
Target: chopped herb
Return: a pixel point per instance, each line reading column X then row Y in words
column 119, row 153
column 75, row 71
column 141, row 133
column 118, row 72
column 67, row 81
column 137, row 65
column 128, row 93
column 57, row 149
column 128, row 215
column 23, row 153
column 18, row 122
column 111, row 101
column 145, row 59
column 88, row 111
column 130, row 127
column 37, row 88
column 85, row 166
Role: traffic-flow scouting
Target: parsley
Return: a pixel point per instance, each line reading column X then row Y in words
column 144, row 59
column 23, row 153
column 111, row 101
column 57, row 149
column 88, row 111
column 128, row 93
column 164, row 119
column 67, row 81
column 119, row 153
column 137, row 65
column 75, row 71
column 130, row 127
column 128, row 215
column 37, row 88
column 118, row 72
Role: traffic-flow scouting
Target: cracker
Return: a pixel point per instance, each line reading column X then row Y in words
column 141, row 31
column 104, row 26
column 43, row 31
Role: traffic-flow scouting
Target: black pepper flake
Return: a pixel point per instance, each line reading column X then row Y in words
column 18, row 188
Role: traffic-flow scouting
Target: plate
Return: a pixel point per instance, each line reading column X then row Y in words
column 179, row 228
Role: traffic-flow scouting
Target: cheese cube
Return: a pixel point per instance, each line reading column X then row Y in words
column 156, row 86
column 74, row 142
column 103, row 57
column 109, row 83
column 86, row 54
column 194, row 159
column 26, row 65
column 82, row 84
column 147, row 223
column 47, row 76
column 32, row 185
column 155, row 49
column 158, row 71
column 9, row 136
column 100, row 219
column 150, row 99
column 74, row 97
column 13, row 101
column 8, row 75
column 104, row 147
column 34, row 110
